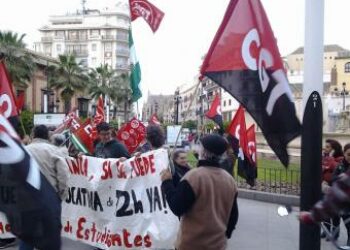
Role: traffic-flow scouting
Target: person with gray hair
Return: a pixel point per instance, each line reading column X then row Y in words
column 59, row 141
column 205, row 199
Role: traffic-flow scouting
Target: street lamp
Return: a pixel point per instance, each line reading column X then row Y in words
column 344, row 92
column 177, row 99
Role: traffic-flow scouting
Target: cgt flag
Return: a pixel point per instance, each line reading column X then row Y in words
column 152, row 15
column 245, row 61
column 28, row 200
column 214, row 112
column 7, row 99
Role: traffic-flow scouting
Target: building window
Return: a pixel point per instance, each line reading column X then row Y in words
column 94, row 32
column 108, row 46
column 59, row 33
column 94, row 47
column 93, row 61
column 224, row 103
column 229, row 102
column 58, row 48
column 347, row 67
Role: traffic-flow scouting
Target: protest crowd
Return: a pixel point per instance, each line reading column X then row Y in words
column 126, row 188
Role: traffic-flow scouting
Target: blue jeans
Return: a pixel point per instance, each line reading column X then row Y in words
column 25, row 246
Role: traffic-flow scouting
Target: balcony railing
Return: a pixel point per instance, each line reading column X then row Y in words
column 123, row 52
column 108, row 37
column 122, row 67
column 46, row 39
column 77, row 38
column 81, row 53
column 122, row 38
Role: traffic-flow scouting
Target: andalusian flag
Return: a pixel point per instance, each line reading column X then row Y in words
column 135, row 76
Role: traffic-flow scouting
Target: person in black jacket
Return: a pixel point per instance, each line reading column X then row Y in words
column 108, row 147
column 181, row 166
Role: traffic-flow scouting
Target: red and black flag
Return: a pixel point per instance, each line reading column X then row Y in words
column 29, row 199
column 245, row 61
column 214, row 112
column 251, row 144
column 7, row 98
column 239, row 141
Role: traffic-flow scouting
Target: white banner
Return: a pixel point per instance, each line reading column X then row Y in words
column 119, row 205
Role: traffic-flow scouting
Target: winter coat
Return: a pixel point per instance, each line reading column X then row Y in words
column 52, row 164
column 111, row 149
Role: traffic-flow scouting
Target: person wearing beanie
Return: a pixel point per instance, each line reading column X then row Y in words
column 205, row 199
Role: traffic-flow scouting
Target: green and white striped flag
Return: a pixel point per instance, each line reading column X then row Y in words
column 78, row 144
column 135, row 76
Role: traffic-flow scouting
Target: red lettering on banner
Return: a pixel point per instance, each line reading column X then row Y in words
column 138, row 241
column 106, row 167
column 126, row 235
column 78, row 166
column 142, row 166
column 151, row 161
column 81, row 223
column 106, row 237
column 147, row 240
column 121, row 171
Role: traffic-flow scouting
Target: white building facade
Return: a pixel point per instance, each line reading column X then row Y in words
column 95, row 37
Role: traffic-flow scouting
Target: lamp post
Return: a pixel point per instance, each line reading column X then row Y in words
column 177, row 99
column 344, row 93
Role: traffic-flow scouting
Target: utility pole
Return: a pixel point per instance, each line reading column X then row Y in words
column 311, row 136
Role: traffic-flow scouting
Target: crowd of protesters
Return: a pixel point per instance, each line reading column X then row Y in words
column 193, row 193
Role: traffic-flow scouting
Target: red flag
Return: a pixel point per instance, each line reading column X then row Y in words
column 132, row 134
column 214, row 112
column 20, row 101
column 154, row 120
column 245, row 61
column 83, row 137
column 7, row 98
column 100, row 113
column 251, row 143
column 237, row 130
column 152, row 15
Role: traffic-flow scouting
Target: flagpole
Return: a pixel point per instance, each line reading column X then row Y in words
column 311, row 137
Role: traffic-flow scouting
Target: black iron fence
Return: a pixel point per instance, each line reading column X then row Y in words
column 281, row 181
column 272, row 180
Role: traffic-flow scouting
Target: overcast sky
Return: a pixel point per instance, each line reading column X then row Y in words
column 172, row 56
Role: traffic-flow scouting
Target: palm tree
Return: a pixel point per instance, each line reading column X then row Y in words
column 106, row 82
column 18, row 61
column 68, row 77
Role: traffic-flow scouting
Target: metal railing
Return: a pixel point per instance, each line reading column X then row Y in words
column 271, row 180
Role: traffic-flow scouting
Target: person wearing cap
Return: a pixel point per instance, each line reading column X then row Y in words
column 107, row 147
column 205, row 199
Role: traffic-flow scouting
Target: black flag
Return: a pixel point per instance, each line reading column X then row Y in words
column 245, row 61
